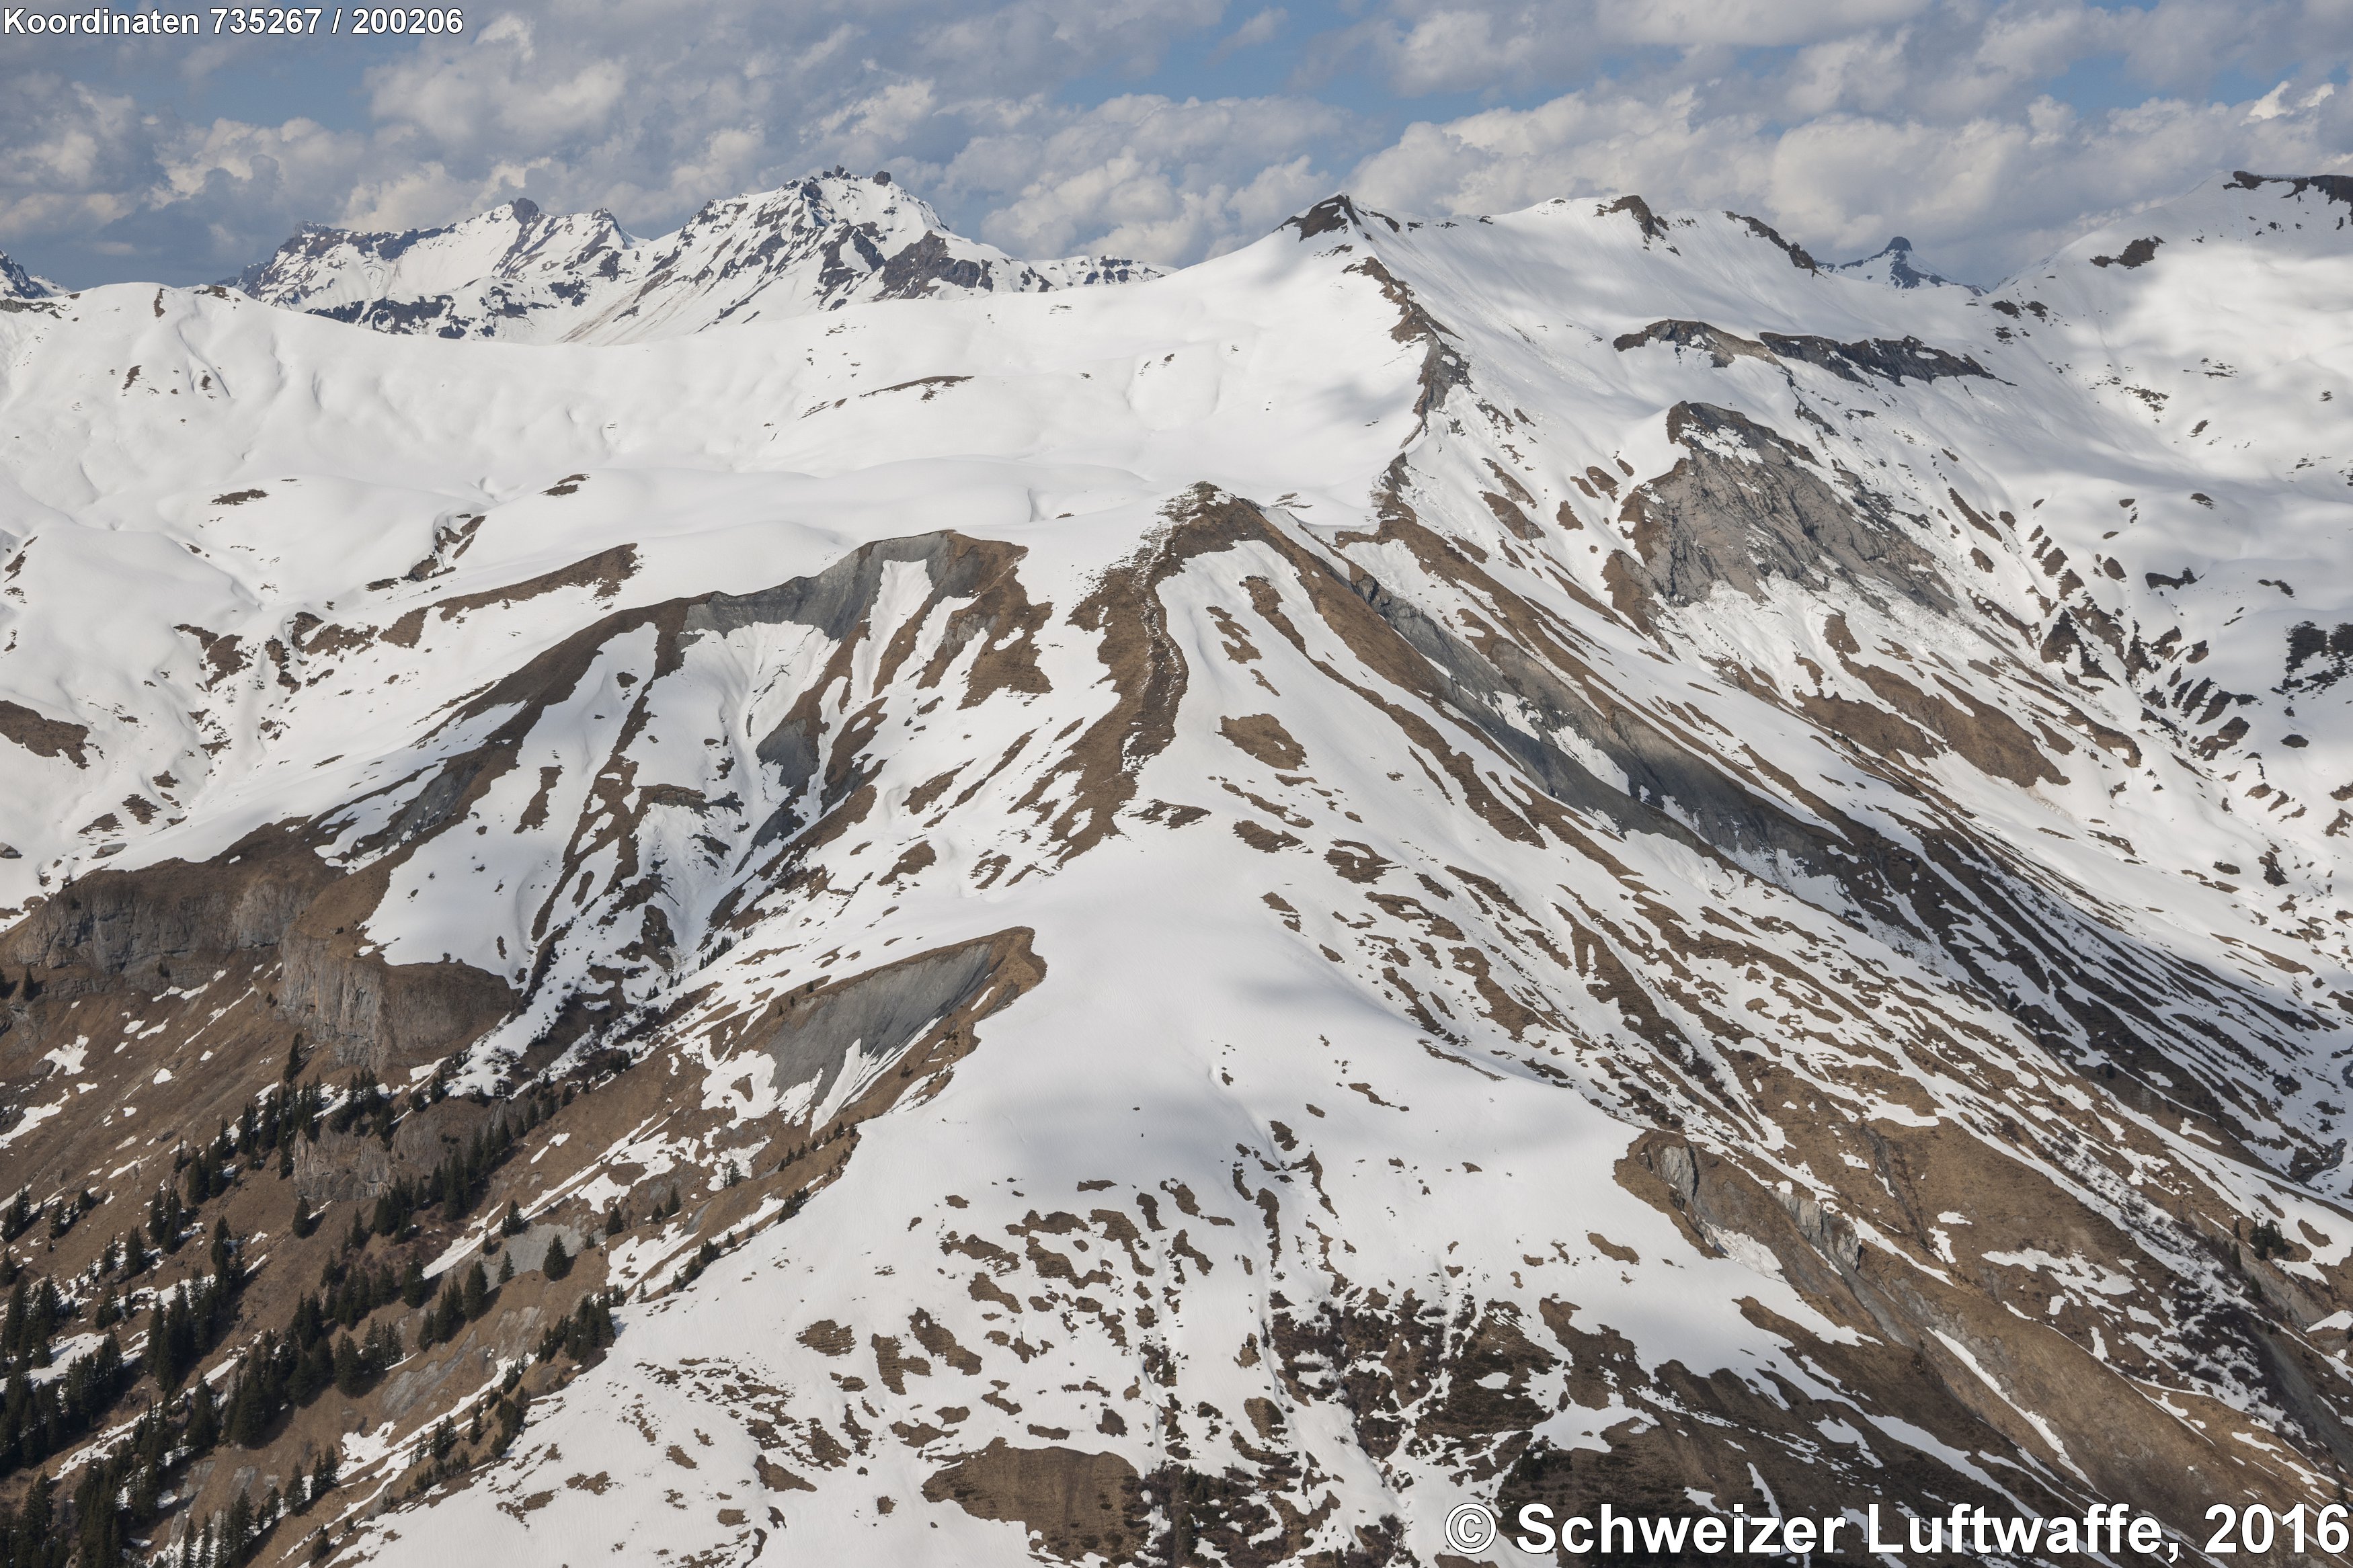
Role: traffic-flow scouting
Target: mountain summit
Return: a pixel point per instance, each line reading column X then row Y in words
column 1552, row 859
column 1895, row 265
column 520, row 274
column 16, row 283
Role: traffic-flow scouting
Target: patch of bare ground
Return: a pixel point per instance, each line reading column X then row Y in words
column 1075, row 1504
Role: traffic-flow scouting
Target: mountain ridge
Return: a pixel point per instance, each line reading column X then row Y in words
column 16, row 283
column 518, row 273
column 1553, row 858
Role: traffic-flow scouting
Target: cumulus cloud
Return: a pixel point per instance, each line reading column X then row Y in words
column 72, row 156
column 1143, row 175
column 1454, row 45
column 1259, row 29
column 1986, row 129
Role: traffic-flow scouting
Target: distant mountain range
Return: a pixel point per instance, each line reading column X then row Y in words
column 520, row 274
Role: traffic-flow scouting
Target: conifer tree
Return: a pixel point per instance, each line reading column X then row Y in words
column 351, row 1378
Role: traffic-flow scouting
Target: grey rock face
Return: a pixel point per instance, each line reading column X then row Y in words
column 1748, row 504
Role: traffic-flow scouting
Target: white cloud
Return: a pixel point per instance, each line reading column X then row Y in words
column 1983, row 196
column 890, row 114
column 1690, row 24
column 1142, row 175
column 1441, row 45
column 299, row 151
column 70, row 155
column 1259, row 30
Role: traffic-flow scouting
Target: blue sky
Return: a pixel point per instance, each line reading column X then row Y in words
column 1176, row 129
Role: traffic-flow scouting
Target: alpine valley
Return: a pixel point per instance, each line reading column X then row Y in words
column 847, row 900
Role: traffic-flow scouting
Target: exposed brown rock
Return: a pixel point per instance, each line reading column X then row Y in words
column 1074, row 1503
column 42, row 736
column 1262, row 736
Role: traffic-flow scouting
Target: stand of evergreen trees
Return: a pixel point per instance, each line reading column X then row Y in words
column 40, row 1417
column 234, row 1535
column 29, row 1537
column 186, row 1325
column 583, row 1331
column 22, row 1213
column 463, row 1299
column 117, row 1493
column 119, row 1497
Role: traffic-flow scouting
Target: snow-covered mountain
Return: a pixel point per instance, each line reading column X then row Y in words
column 523, row 275
column 1552, row 858
column 16, row 283
column 1895, row 265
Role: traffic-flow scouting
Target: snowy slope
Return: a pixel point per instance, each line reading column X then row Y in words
column 1552, row 857
column 520, row 274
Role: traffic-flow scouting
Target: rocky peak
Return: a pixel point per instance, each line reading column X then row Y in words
column 518, row 273
column 1895, row 265
column 16, row 283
